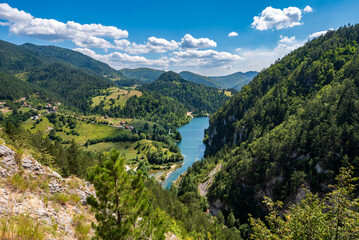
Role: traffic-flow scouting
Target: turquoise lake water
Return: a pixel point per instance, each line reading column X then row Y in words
column 191, row 146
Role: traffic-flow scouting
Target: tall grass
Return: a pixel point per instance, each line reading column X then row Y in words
column 20, row 227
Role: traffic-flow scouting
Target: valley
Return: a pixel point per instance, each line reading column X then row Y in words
column 106, row 135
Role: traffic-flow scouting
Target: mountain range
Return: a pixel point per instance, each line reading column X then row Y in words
column 235, row 80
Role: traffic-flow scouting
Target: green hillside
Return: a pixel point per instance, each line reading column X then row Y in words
column 145, row 75
column 71, row 57
column 293, row 126
column 199, row 79
column 236, row 80
column 197, row 98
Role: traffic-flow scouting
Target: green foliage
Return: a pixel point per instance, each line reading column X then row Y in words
column 71, row 86
column 195, row 223
column 60, row 198
column 334, row 217
column 191, row 77
column 15, row 88
column 81, row 228
column 295, row 124
column 150, row 106
column 220, row 217
column 66, row 160
column 121, row 205
column 231, row 220
column 196, row 98
column 70, row 57
column 142, row 74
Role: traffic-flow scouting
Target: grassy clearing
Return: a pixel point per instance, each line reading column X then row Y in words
column 227, row 93
column 6, row 111
column 116, row 97
column 137, row 123
column 129, row 148
column 42, row 126
column 126, row 148
column 89, row 131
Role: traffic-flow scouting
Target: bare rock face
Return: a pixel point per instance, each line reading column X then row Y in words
column 7, row 159
column 39, row 199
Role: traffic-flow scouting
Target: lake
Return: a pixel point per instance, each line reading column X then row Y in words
column 191, row 146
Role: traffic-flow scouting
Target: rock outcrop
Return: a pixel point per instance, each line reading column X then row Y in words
column 37, row 191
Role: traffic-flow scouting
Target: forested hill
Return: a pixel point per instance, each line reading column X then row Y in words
column 24, row 71
column 293, row 126
column 197, row 98
column 71, row 57
column 199, row 79
column 145, row 75
column 236, row 80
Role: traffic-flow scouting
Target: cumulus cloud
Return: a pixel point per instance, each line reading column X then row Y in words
column 232, row 34
column 318, row 34
column 308, row 9
column 123, row 60
column 205, row 58
column 189, row 58
column 190, row 42
column 286, row 39
column 154, row 45
column 273, row 18
column 83, row 35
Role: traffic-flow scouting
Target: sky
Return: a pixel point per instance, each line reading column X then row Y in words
column 212, row 37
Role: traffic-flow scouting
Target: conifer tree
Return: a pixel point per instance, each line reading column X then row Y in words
column 121, row 206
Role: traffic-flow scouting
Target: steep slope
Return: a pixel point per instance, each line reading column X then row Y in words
column 199, row 79
column 71, row 82
column 14, row 59
column 15, row 88
column 145, row 75
column 71, row 57
column 37, row 203
column 195, row 97
column 73, row 86
column 236, row 80
column 293, row 126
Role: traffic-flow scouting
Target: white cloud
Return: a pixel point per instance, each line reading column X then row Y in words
column 123, row 60
column 154, row 45
column 286, row 39
column 308, row 9
column 205, row 58
column 190, row 42
column 318, row 34
column 273, row 18
column 232, row 34
column 83, row 35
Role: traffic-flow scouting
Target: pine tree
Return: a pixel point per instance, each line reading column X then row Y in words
column 220, row 217
column 231, row 220
column 121, row 206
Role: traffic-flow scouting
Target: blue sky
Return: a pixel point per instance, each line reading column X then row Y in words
column 176, row 35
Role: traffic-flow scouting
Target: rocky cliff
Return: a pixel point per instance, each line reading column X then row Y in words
column 36, row 201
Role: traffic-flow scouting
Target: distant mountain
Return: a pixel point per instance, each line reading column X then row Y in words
column 197, row 98
column 71, row 57
column 192, row 77
column 27, row 69
column 145, row 75
column 236, row 80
